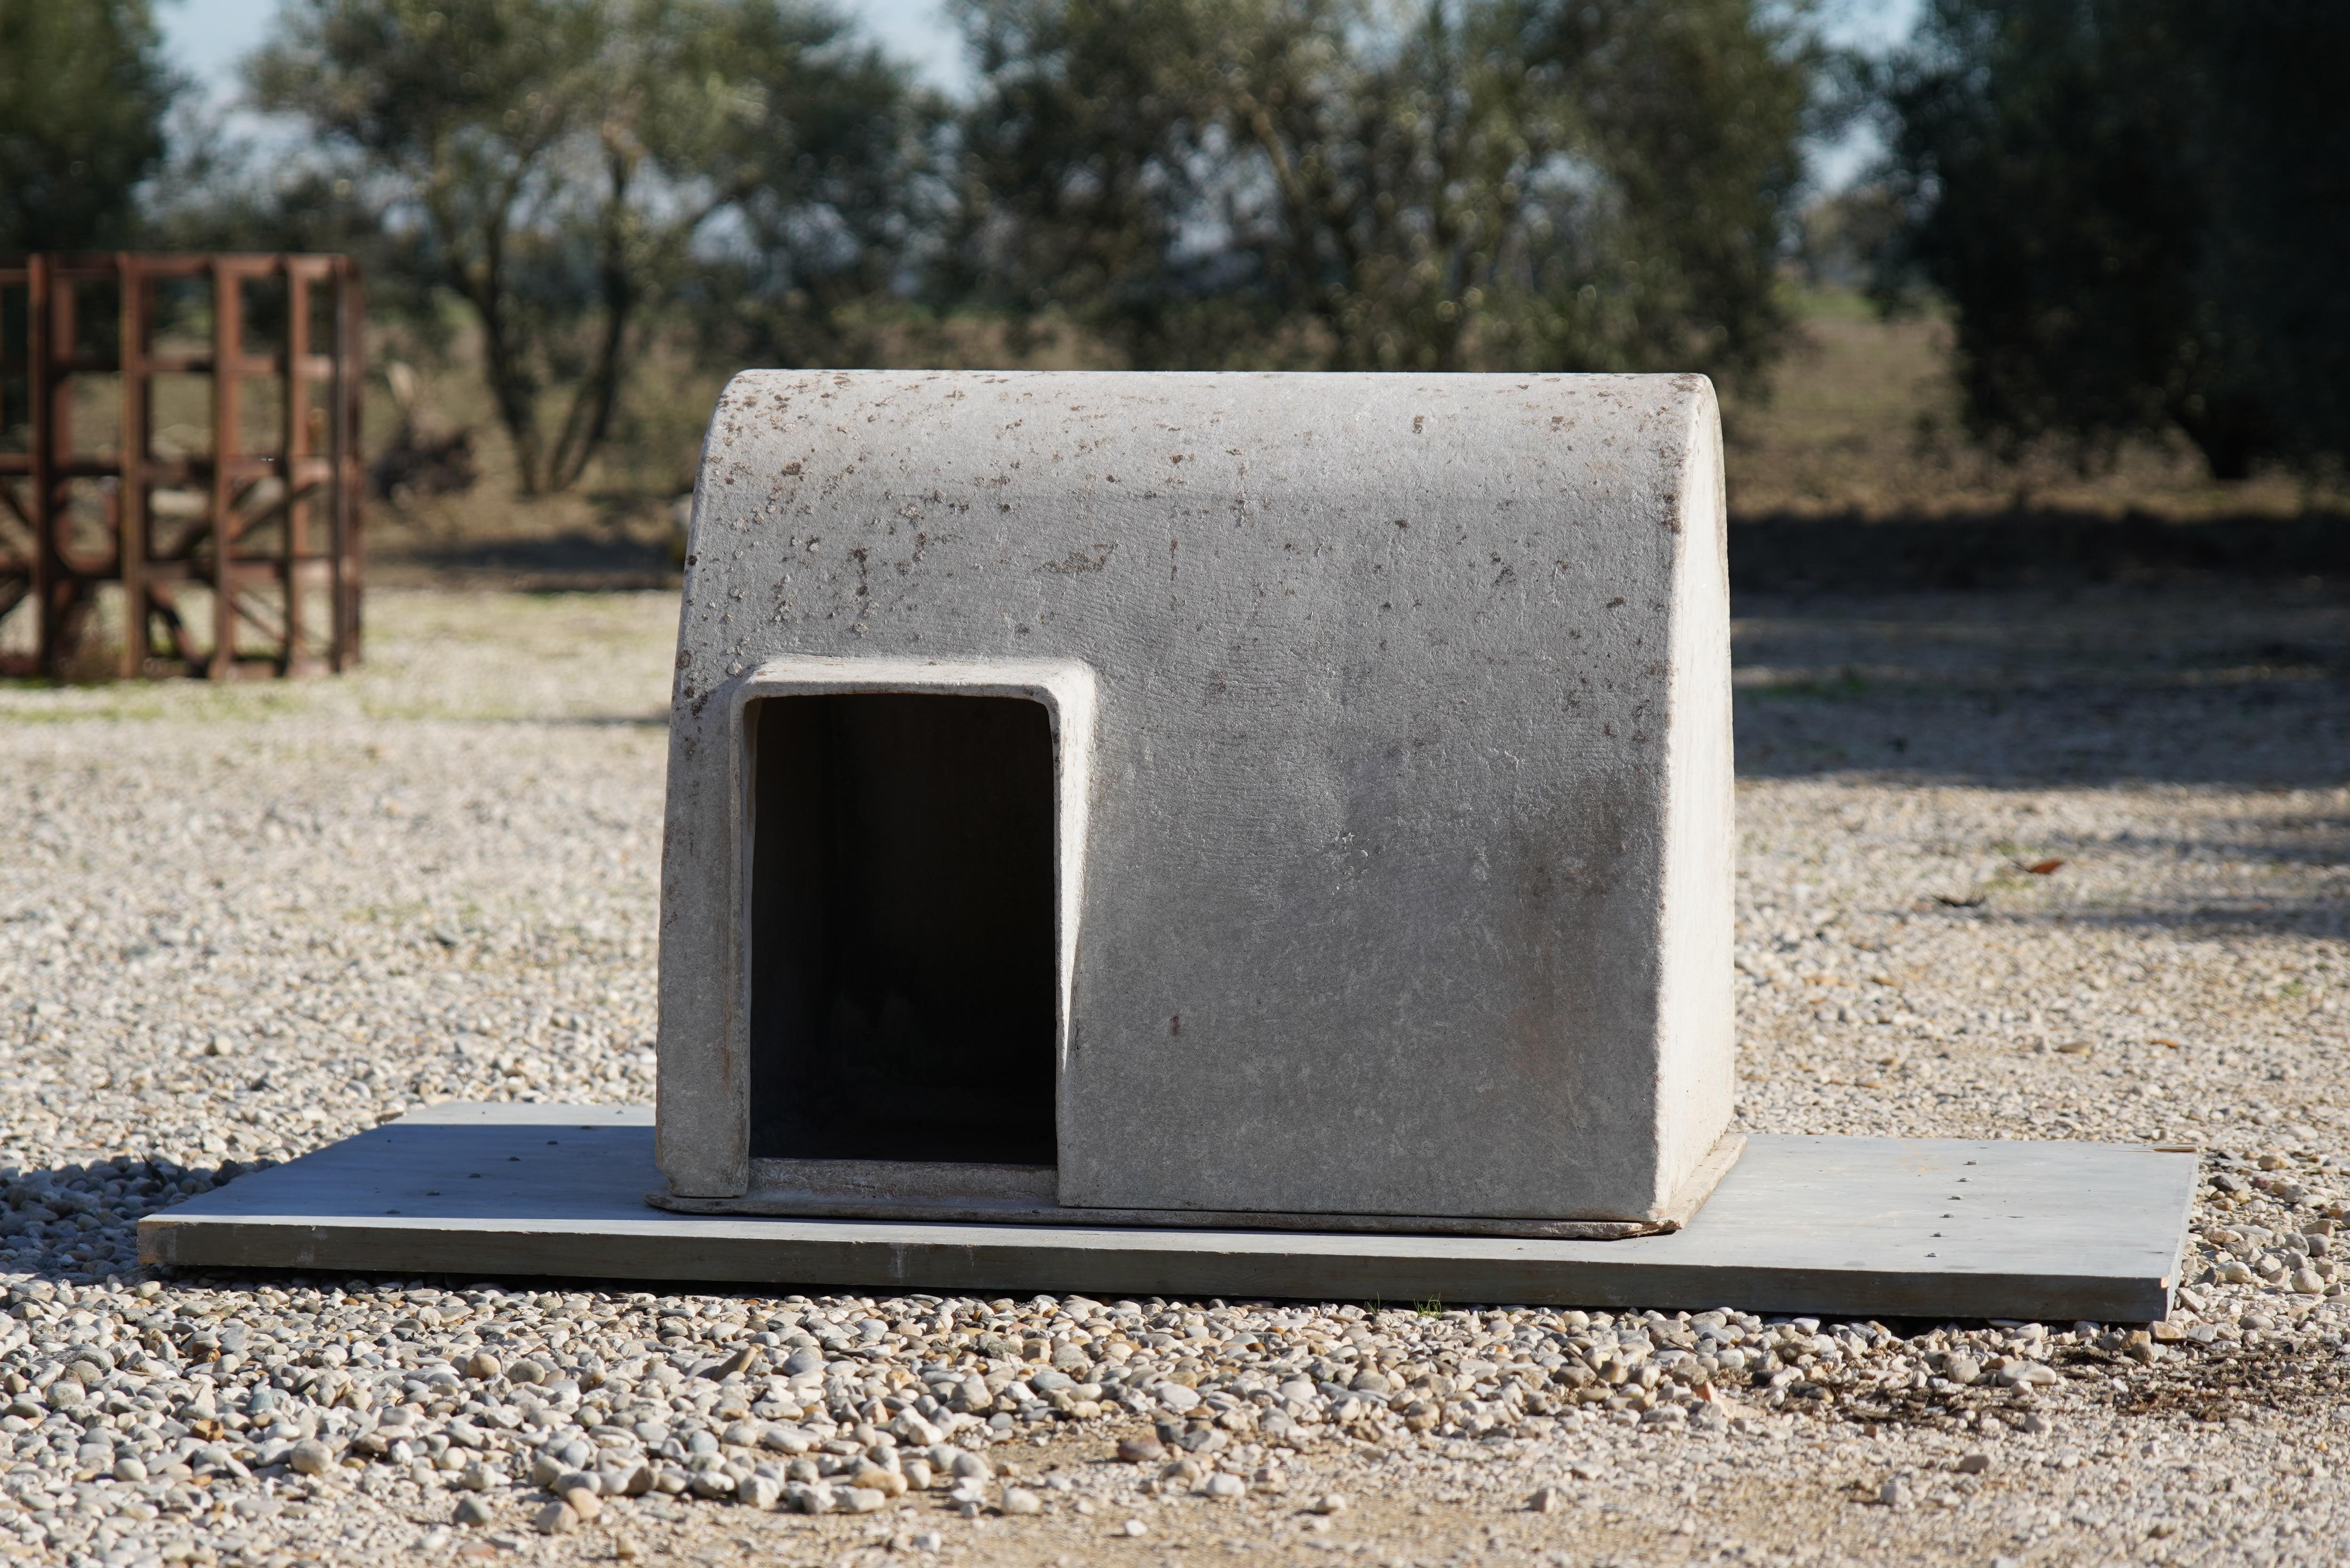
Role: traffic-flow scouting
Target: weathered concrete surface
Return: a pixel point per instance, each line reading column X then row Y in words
column 1406, row 886
column 1857, row 1227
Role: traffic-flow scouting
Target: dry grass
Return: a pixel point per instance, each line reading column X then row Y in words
column 1862, row 418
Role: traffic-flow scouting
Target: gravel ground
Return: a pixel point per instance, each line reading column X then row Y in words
column 2012, row 866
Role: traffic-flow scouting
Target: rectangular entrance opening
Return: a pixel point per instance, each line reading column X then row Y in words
column 902, row 958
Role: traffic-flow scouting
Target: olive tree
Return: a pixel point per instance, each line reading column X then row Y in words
column 2136, row 210
column 83, row 96
column 563, row 167
column 1465, row 185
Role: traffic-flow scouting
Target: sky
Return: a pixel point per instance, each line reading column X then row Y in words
column 206, row 37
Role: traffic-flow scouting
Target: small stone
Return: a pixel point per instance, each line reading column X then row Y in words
column 2308, row 1283
column 860, row 1500
column 527, row 1371
column 970, row 1466
column 626, row 1549
column 748, row 1362
column 1019, row 1500
column 761, row 1492
column 128, row 1468
column 1133, row 1529
column 880, row 1478
column 1145, row 1450
column 1548, row 1500
column 1974, row 1464
column 630, row 1478
column 554, row 1519
column 472, row 1510
column 583, row 1502
column 1330, row 1502
column 310, row 1458
column 1894, row 1493
column 1223, row 1486
column 476, row 1476
column 482, row 1366
column 1961, row 1368
column 2036, row 1424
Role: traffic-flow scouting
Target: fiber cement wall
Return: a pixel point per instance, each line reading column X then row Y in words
column 1403, row 883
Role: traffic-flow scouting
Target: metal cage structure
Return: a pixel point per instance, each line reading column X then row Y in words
column 183, row 430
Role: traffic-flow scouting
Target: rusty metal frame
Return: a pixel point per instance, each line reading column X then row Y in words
column 273, row 534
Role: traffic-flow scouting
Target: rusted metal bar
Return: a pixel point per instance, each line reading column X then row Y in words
column 48, row 431
column 346, row 554
column 228, row 332
column 309, row 486
column 137, row 440
column 296, row 445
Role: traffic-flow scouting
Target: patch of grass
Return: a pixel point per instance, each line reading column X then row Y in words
column 1862, row 417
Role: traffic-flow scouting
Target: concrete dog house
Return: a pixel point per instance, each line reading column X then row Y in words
column 1201, row 834
column 1290, row 801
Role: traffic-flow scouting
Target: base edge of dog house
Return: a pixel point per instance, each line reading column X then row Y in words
column 1857, row 1227
column 948, row 1194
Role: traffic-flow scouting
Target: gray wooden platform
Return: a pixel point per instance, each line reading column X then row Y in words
column 1844, row 1226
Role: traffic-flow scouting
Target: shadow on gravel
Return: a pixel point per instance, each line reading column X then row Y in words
column 2044, row 648
column 2308, row 918
column 2027, row 548
column 78, row 1224
column 2282, row 737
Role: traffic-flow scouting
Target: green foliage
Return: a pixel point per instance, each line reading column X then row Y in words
column 565, row 166
column 2273, row 154
column 83, row 92
column 1475, row 184
column 2137, row 210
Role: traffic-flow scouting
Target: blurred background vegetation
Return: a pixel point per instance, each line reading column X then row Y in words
column 2093, row 269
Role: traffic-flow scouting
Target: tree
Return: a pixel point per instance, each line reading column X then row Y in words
column 562, row 166
column 83, row 92
column 1476, row 184
column 2136, row 208
column 2272, row 151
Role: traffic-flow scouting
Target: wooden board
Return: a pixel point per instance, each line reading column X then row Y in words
column 1854, row 1227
